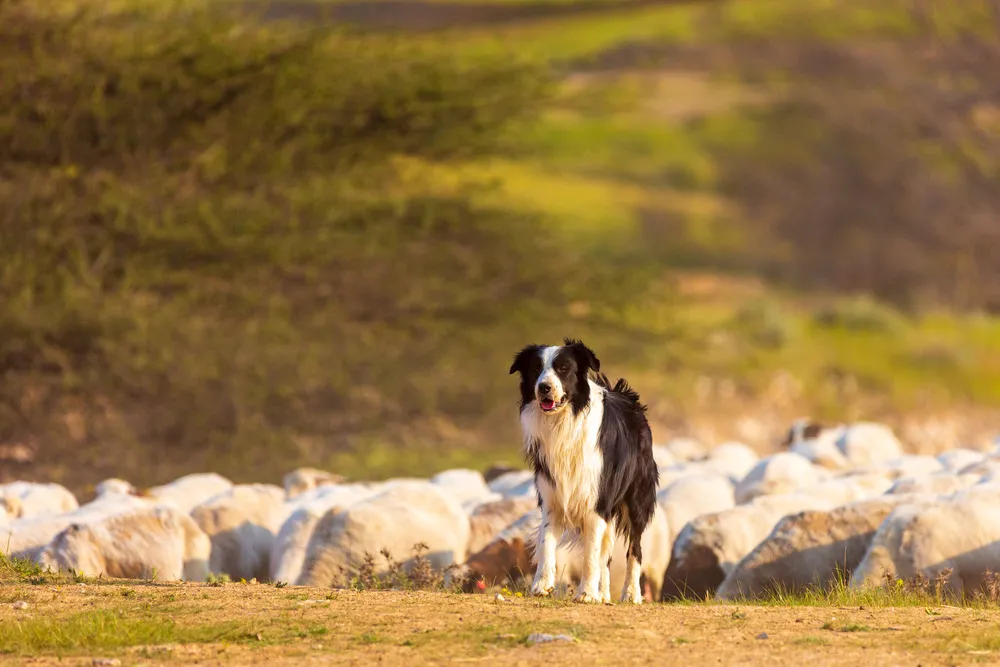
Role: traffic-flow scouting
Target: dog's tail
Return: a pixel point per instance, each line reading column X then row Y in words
column 621, row 387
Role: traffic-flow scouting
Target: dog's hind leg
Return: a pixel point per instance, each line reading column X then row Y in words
column 632, row 591
column 607, row 549
column 638, row 518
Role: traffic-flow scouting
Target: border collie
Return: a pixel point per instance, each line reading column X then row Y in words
column 591, row 450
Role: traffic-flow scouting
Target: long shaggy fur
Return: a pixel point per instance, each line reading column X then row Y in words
column 590, row 447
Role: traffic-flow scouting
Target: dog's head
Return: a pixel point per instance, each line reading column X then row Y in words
column 556, row 376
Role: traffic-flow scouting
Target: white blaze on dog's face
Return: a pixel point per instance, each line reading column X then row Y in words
column 549, row 389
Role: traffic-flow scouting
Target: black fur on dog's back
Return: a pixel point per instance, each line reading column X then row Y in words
column 630, row 476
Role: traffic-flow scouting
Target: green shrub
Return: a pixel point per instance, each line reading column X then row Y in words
column 221, row 245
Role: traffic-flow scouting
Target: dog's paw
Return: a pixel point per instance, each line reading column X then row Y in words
column 541, row 590
column 587, row 598
column 633, row 599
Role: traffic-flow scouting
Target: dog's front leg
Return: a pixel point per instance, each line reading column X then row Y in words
column 545, row 555
column 594, row 560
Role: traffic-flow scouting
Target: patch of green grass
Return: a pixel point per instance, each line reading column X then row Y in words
column 633, row 148
column 370, row 638
column 218, row 579
column 972, row 641
column 855, row 627
column 917, row 593
column 20, row 569
column 810, row 640
column 104, row 629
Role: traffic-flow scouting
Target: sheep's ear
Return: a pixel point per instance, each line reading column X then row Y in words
column 585, row 357
column 522, row 358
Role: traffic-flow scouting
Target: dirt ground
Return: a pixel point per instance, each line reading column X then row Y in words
column 237, row 624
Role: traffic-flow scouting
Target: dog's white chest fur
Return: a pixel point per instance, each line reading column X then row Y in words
column 567, row 446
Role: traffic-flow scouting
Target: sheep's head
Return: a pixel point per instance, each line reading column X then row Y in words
column 115, row 485
column 12, row 506
column 802, row 429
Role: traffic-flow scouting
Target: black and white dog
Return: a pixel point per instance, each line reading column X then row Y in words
column 592, row 453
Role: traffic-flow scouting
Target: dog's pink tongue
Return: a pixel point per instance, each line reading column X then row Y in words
column 548, row 405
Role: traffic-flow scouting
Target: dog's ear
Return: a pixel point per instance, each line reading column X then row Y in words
column 522, row 358
column 585, row 357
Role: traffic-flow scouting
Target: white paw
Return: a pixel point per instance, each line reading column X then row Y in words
column 587, row 598
column 634, row 598
column 542, row 589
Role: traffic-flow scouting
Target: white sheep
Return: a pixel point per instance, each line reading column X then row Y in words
column 114, row 485
column 860, row 443
column 686, row 449
column 779, row 473
column 466, row 486
column 399, row 518
column 689, row 497
column 954, row 460
column 288, row 553
column 988, row 469
column 189, row 491
column 907, row 465
column 939, row 483
column 709, row 547
column 678, row 471
column 663, row 456
column 37, row 500
column 849, row 488
column 514, row 483
column 26, row 537
column 300, row 480
column 732, row 459
column 822, row 451
column 241, row 523
column 473, row 505
column 10, row 509
column 958, row 534
column 145, row 543
column 814, row 548
column 868, row 443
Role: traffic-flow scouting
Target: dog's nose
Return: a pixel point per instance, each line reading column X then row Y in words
column 544, row 388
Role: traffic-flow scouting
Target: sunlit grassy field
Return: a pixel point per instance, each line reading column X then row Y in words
column 46, row 618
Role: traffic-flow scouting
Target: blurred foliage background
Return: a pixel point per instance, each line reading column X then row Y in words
column 247, row 237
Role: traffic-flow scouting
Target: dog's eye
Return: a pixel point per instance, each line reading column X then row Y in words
column 564, row 368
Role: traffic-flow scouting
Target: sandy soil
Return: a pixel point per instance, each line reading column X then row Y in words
column 254, row 624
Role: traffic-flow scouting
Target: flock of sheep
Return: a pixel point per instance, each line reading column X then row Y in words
column 835, row 503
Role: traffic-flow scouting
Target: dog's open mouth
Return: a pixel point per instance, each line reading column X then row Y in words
column 548, row 405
